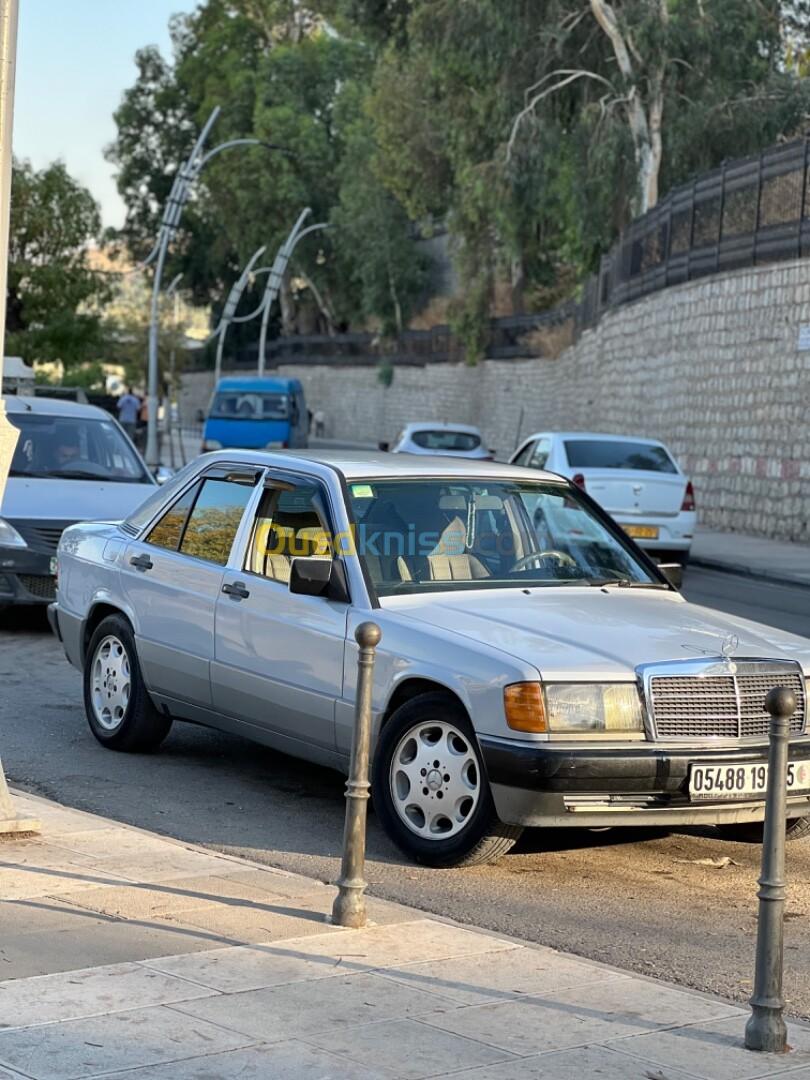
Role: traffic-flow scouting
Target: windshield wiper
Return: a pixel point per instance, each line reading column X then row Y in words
column 625, row 583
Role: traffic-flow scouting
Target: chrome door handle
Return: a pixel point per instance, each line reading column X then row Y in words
column 237, row 591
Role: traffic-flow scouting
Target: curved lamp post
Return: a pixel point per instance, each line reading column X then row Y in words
column 173, row 211
column 277, row 272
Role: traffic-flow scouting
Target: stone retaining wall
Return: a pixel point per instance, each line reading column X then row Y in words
column 713, row 368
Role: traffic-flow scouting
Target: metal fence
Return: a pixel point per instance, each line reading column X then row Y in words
column 506, row 339
column 747, row 212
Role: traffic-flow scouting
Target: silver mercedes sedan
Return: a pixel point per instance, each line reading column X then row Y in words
column 535, row 668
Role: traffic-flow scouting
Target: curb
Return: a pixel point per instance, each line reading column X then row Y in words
column 741, row 570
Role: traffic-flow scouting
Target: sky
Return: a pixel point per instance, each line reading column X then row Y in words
column 74, row 61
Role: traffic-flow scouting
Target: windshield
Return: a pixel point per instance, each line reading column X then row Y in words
column 436, row 535
column 446, row 440
column 248, row 405
column 74, row 448
column 605, row 454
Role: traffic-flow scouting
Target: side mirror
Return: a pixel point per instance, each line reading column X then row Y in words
column 200, row 416
column 673, row 572
column 162, row 474
column 384, row 446
column 319, row 576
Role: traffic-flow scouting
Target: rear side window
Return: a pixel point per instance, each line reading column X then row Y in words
column 161, row 495
column 607, row 454
column 166, row 532
column 446, row 440
column 215, row 519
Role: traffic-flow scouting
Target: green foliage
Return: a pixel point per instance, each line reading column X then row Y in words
column 448, row 90
column 284, row 79
column 51, row 288
column 517, row 125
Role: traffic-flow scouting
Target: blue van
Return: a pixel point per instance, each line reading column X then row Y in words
column 257, row 414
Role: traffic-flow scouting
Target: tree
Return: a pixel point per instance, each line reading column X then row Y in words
column 284, row 77
column 51, row 288
column 537, row 131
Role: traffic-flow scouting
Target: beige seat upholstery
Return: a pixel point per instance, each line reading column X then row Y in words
column 449, row 561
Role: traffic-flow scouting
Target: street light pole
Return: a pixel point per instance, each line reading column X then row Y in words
column 277, row 272
column 173, row 211
column 8, row 60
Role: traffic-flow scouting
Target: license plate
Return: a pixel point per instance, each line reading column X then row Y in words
column 642, row 532
column 742, row 781
column 53, row 566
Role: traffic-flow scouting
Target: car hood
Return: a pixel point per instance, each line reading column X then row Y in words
column 70, row 500
column 591, row 633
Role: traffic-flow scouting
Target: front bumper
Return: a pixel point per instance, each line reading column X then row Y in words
column 641, row 784
column 26, row 577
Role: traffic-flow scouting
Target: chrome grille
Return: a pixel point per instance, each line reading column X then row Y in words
column 706, row 704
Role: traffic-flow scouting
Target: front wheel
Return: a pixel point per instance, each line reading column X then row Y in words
column 751, row 832
column 119, row 710
column 430, row 791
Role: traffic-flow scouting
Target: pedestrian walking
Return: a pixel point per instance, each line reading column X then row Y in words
column 128, row 408
column 320, row 423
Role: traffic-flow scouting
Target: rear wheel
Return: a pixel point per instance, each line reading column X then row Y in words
column 430, row 791
column 751, row 832
column 118, row 707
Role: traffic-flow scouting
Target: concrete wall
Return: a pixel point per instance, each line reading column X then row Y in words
column 711, row 367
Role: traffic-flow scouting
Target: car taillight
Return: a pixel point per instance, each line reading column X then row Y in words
column 688, row 497
column 579, row 480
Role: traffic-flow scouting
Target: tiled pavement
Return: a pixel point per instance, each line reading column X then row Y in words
column 172, row 963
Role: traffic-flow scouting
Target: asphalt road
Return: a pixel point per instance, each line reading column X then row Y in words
column 646, row 900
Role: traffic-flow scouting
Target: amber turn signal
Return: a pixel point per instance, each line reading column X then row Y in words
column 524, row 707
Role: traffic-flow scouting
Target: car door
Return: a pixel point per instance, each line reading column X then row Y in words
column 279, row 656
column 172, row 579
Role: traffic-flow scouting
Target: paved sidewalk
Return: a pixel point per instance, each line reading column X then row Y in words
column 169, row 962
column 752, row 555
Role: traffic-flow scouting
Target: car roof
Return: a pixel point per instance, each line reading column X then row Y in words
column 255, row 383
column 367, row 464
column 609, row 436
column 45, row 406
column 440, row 425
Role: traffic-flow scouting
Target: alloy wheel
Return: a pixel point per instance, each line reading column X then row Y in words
column 435, row 780
column 111, row 683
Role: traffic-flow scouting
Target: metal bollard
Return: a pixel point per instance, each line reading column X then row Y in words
column 349, row 908
column 766, row 1029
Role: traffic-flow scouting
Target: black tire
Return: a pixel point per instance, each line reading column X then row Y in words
column 484, row 837
column 751, row 832
column 141, row 728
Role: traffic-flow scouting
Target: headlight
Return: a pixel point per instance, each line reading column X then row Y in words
column 583, row 707
column 9, row 537
column 211, row 444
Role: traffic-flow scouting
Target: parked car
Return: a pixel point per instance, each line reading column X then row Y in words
column 72, row 463
column 638, row 481
column 452, row 440
column 523, row 679
column 256, row 414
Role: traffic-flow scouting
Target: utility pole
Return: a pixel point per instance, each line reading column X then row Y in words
column 10, row 822
column 8, row 60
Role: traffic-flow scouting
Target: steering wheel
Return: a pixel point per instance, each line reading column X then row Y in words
column 536, row 556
